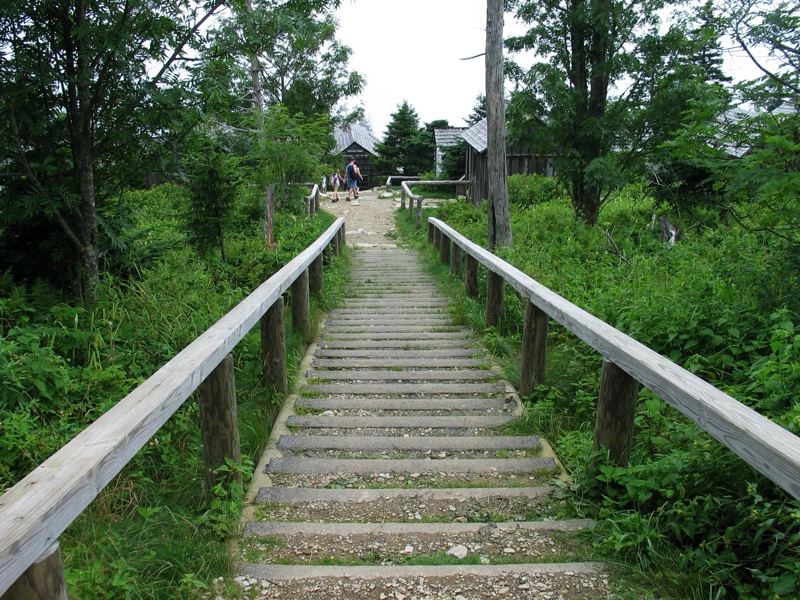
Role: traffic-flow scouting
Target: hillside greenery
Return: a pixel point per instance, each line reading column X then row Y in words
column 62, row 366
column 686, row 516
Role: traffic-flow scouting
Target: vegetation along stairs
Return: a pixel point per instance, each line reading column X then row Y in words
column 389, row 474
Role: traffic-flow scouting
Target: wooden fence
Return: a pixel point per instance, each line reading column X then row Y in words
column 39, row 508
column 416, row 199
column 765, row 445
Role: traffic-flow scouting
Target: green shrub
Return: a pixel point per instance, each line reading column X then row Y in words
column 529, row 190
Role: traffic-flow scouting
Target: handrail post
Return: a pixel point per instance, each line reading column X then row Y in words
column 218, row 425
column 437, row 237
column 431, row 230
column 494, row 299
column 411, row 207
column 340, row 240
column 455, row 258
column 301, row 307
column 43, row 580
column 534, row 348
column 316, row 200
column 315, row 276
column 273, row 347
column 616, row 408
column 471, row 277
column 402, row 196
column 444, row 249
column 419, row 212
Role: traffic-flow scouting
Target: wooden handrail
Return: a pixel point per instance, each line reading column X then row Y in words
column 41, row 506
column 763, row 444
column 398, row 178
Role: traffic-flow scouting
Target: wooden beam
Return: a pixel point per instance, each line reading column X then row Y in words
column 219, row 428
column 315, row 275
column 471, row 277
column 44, row 579
column 534, row 348
column 616, row 407
column 301, row 305
column 494, row 298
column 273, row 348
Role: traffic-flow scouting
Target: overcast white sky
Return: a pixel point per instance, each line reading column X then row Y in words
column 423, row 42
column 412, row 50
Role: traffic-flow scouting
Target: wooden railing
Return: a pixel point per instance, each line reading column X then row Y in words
column 416, row 198
column 763, row 444
column 39, row 508
column 400, row 178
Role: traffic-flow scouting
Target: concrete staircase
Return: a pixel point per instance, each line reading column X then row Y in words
column 387, row 476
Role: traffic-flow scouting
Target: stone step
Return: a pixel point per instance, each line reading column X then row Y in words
column 401, row 389
column 398, row 344
column 417, row 375
column 507, row 403
column 388, row 363
column 463, row 422
column 404, row 304
column 399, row 335
column 452, row 444
column 565, row 581
column 426, row 353
column 432, row 495
column 403, row 505
column 386, row 323
column 303, row 465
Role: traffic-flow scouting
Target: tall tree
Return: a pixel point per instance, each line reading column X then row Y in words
column 79, row 107
column 402, row 145
column 585, row 46
column 276, row 52
column 499, row 233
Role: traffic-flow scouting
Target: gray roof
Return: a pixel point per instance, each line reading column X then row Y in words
column 357, row 134
column 476, row 136
column 448, row 137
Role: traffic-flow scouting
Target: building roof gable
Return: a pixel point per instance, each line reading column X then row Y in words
column 355, row 134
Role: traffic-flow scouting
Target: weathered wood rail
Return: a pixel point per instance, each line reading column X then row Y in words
column 416, row 199
column 400, row 178
column 39, row 508
column 763, row 444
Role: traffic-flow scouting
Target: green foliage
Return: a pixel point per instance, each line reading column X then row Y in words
column 688, row 515
column 528, row 190
column 406, row 147
column 62, row 366
column 211, row 173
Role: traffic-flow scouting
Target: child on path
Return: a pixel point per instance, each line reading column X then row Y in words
column 336, row 179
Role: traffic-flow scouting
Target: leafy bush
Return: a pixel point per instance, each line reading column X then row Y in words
column 529, row 190
column 697, row 520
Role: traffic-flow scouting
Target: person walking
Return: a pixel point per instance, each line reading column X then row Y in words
column 336, row 180
column 352, row 175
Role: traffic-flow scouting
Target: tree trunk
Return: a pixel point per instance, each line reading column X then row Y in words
column 258, row 105
column 499, row 219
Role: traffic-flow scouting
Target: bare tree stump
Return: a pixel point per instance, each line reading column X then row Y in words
column 218, row 426
column 471, row 277
column 273, row 348
column 616, row 408
column 301, row 307
column 534, row 348
column 43, row 580
column 494, row 299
